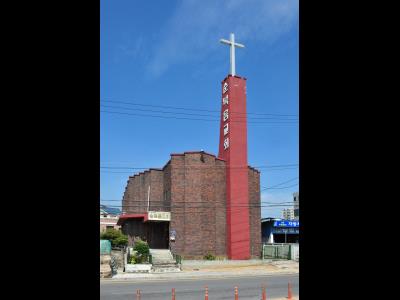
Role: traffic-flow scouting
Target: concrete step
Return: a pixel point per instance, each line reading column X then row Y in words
column 161, row 255
column 165, row 270
column 160, row 250
column 165, row 265
column 163, row 261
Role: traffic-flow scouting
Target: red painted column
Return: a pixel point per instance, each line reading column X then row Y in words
column 233, row 149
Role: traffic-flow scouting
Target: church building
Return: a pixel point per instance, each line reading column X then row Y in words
column 199, row 203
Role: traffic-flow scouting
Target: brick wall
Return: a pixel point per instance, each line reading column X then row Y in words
column 157, row 191
column 198, row 200
column 220, row 201
column 177, row 189
column 135, row 199
column 193, row 187
column 255, row 212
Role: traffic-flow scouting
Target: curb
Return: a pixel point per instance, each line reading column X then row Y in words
column 193, row 276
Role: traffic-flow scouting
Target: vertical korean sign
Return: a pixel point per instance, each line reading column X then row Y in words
column 225, row 112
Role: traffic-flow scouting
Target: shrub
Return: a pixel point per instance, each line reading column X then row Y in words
column 142, row 251
column 121, row 240
column 142, row 248
column 209, row 256
column 116, row 237
column 132, row 260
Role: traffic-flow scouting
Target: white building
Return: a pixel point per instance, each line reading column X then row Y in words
column 293, row 212
column 296, row 205
column 109, row 218
column 288, row 214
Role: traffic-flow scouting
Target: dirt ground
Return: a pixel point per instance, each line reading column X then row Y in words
column 230, row 268
column 237, row 268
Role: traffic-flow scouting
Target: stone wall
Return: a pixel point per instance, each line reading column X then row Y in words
column 105, row 268
column 119, row 257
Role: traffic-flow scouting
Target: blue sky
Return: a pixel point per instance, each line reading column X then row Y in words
column 167, row 53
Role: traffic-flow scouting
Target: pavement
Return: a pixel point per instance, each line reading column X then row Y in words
column 218, row 270
column 219, row 288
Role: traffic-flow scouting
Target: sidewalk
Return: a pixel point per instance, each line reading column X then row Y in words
column 200, row 269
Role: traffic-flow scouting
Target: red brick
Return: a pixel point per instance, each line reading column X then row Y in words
column 192, row 186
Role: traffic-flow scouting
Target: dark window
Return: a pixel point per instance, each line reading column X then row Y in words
column 166, row 195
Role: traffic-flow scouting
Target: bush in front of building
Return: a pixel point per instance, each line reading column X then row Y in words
column 142, row 251
column 121, row 240
column 133, row 260
column 209, row 256
column 116, row 237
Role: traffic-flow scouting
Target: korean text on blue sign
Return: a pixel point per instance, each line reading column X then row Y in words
column 286, row 224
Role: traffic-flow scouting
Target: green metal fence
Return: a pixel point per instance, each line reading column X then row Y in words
column 105, row 247
column 276, row 251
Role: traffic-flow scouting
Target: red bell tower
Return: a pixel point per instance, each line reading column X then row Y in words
column 233, row 149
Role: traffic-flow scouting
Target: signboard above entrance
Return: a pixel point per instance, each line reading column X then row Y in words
column 159, row 216
column 286, row 223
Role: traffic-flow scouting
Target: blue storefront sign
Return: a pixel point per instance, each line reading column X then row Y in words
column 290, row 230
column 286, row 223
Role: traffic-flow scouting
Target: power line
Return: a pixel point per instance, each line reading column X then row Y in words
column 271, row 187
column 285, row 187
column 193, row 119
column 158, row 201
column 206, row 166
column 127, row 172
column 203, row 206
column 194, row 109
column 194, row 114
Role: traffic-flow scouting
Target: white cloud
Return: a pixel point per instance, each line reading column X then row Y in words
column 193, row 31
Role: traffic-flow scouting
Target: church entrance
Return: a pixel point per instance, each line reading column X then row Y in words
column 157, row 234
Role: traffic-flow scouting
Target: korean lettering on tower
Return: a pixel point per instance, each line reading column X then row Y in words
column 225, row 116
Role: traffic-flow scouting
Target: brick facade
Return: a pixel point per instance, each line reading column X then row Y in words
column 192, row 186
column 255, row 212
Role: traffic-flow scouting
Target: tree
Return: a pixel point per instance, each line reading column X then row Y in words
column 116, row 237
column 121, row 240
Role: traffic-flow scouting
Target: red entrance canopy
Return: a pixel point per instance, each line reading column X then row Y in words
column 123, row 218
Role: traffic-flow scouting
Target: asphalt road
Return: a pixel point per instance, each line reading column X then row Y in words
column 193, row 289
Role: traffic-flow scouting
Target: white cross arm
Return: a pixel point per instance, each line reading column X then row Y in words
column 223, row 41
